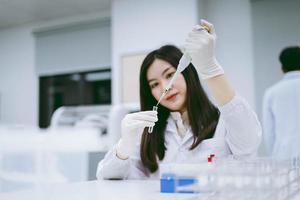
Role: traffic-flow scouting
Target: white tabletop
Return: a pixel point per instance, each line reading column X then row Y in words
column 98, row 190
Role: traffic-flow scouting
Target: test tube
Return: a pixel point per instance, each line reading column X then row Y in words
column 150, row 129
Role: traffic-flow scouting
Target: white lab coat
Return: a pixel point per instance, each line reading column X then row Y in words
column 238, row 133
column 281, row 117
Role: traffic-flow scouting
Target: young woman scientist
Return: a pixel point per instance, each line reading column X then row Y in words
column 188, row 127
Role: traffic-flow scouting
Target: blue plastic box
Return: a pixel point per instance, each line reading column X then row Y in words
column 169, row 182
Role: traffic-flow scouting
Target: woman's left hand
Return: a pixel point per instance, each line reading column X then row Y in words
column 200, row 44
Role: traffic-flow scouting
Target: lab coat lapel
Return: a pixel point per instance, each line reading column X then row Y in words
column 188, row 136
column 171, row 129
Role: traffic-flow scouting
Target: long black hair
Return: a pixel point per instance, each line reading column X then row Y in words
column 203, row 115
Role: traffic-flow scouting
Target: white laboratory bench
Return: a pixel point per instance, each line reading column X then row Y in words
column 104, row 189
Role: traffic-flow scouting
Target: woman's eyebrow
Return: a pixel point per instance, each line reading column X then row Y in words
column 165, row 70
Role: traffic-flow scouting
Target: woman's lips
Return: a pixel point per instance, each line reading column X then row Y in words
column 171, row 97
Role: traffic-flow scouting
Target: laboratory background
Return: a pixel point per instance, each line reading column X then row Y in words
column 69, row 72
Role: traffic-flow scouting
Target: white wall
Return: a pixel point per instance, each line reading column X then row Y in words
column 232, row 19
column 18, row 81
column 142, row 25
column 276, row 24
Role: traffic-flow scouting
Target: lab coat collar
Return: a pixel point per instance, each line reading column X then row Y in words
column 291, row 75
column 184, row 116
column 171, row 130
column 184, row 120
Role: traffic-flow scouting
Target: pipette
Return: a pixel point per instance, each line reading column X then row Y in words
column 183, row 63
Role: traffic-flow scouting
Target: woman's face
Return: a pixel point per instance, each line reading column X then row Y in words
column 159, row 74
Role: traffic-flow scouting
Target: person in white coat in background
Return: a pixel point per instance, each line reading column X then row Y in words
column 281, row 109
column 188, row 126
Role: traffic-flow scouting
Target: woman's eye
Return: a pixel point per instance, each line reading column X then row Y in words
column 169, row 75
column 153, row 85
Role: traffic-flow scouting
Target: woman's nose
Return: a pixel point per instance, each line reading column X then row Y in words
column 165, row 85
